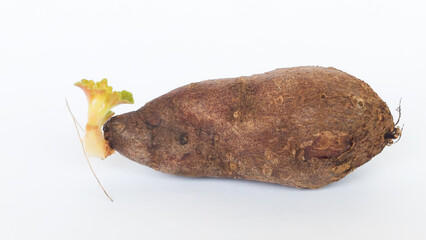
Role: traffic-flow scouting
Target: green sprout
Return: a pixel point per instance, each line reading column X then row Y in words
column 101, row 99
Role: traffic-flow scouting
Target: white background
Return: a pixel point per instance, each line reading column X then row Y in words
column 151, row 47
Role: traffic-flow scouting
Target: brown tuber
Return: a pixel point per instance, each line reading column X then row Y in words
column 304, row 127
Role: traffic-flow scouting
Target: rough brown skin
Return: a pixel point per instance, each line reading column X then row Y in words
column 304, row 127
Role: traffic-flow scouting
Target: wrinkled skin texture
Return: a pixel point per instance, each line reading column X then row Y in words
column 304, row 127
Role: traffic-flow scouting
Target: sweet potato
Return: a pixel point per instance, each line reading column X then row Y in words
column 304, row 127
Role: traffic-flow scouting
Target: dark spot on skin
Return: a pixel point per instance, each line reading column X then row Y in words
column 183, row 139
column 361, row 103
column 323, row 96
